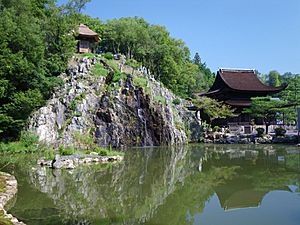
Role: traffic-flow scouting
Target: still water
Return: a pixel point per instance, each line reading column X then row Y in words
column 202, row 184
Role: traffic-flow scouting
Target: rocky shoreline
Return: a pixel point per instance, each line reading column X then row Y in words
column 10, row 190
column 221, row 138
column 73, row 161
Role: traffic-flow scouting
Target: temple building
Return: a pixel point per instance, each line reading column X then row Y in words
column 86, row 39
column 236, row 87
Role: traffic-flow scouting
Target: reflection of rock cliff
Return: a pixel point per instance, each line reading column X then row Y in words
column 129, row 192
column 157, row 186
column 118, row 109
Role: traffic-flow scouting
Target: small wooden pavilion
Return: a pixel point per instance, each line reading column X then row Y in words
column 86, row 39
column 236, row 87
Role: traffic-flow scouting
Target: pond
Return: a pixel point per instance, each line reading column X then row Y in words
column 199, row 184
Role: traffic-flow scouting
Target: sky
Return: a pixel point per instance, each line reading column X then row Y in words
column 252, row 34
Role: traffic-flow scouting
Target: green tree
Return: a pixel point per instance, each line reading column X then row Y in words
column 197, row 60
column 213, row 108
column 35, row 46
column 266, row 109
column 292, row 95
column 167, row 58
column 274, row 78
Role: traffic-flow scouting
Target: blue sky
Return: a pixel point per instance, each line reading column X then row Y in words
column 254, row 34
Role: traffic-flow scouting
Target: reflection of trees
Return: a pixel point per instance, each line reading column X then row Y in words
column 191, row 197
column 126, row 193
column 157, row 186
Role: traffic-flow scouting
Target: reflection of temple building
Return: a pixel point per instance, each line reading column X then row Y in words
column 156, row 186
column 242, row 194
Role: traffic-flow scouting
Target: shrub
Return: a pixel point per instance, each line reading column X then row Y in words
column 279, row 131
column 108, row 55
column 99, row 71
column 140, row 81
column 103, row 153
column 176, row 101
column 118, row 76
column 88, row 152
column 160, row 99
column 89, row 55
column 260, row 131
column 216, row 129
column 28, row 138
column 133, row 63
column 49, row 155
column 66, row 151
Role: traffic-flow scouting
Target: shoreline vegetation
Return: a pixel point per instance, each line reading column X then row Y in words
column 85, row 150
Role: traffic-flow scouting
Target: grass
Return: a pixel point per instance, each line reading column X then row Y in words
column 142, row 82
column 88, row 55
column 77, row 100
column 160, row 99
column 28, row 144
column 99, row 71
column 113, row 65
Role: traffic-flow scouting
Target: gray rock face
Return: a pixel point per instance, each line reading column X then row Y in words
column 125, row 116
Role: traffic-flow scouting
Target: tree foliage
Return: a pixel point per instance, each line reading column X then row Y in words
column 266, row 109
column 167, row 58
column 213, row 108
column 35, row 45
column 274, row 78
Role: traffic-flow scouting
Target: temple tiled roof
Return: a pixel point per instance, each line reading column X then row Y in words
column 240, row 80
column 244, row 80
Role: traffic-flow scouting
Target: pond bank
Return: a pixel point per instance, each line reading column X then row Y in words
column 229, row 138
column 8, row 189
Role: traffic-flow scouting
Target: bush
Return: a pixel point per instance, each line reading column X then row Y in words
column 260, row 131
column 119, row 76
column 103, row 153
column 216, row 129
column 160, row 99
column 133, row 63
column 66, row 151
column 176, row 101
column 99, row 71
column 108, row 55
column 279, row 131
column 28, row 138
column 88, row 152
column 49, row 155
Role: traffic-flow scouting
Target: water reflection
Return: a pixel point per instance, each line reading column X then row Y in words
column 157, row 186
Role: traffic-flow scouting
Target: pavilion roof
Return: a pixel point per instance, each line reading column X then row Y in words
column 244, row 80
column 87, row 32
column 240, row 80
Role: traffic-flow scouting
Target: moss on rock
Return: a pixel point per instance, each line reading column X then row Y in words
column 3, row 220
column 2, row 184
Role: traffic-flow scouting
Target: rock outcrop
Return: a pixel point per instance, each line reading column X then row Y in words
column 9, row 192
column 114, row 113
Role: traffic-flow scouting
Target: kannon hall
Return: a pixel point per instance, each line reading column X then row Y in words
column 236, row 87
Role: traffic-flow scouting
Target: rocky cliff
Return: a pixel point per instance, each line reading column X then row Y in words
column 114, row 104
